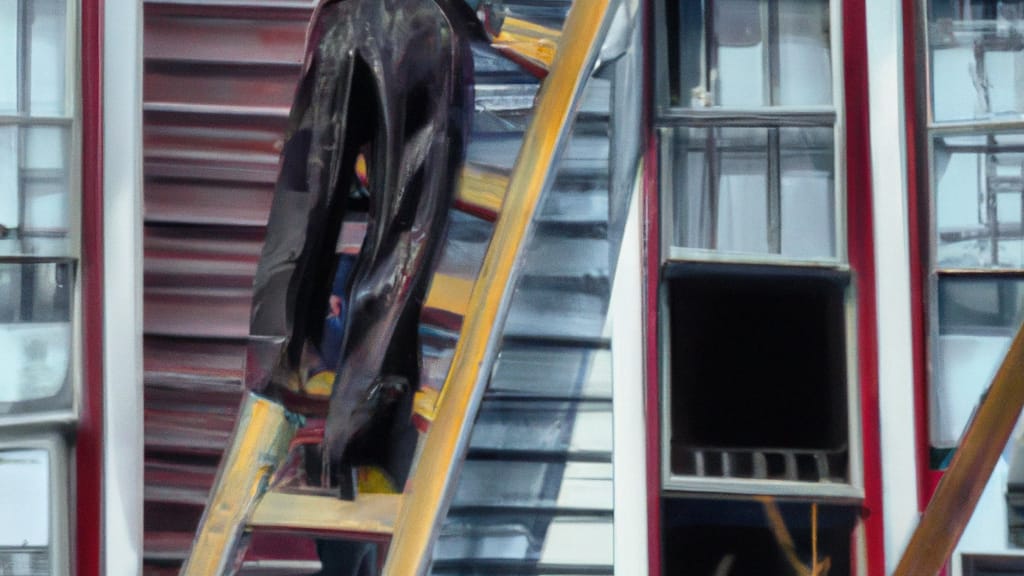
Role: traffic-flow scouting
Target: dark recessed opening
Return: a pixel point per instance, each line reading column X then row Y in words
column 757, row 360
column 710, row 537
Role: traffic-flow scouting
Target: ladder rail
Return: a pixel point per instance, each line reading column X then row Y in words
column 430, row 489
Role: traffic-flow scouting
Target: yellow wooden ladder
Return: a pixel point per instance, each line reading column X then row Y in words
column 242, row 501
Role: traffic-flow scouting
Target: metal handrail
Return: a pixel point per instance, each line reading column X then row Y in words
column 961, row 486
column 429, row 491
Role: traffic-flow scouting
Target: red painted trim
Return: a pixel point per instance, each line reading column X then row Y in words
column 651, row 239
column 652, row 375
column 862, row 260
column 88, row 507
column 919, row 207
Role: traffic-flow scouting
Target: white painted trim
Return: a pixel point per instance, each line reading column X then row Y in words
column 122, row 297
column 892, row 273
column 626, row 312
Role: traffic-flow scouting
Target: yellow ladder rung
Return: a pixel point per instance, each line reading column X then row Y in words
column 369, row 517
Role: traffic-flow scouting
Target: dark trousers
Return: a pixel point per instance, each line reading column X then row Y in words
column 390, row 79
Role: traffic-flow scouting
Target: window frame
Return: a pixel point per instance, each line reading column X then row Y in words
column 666, row 117
column 66, row 415
column 928, row 130
column 59, row 497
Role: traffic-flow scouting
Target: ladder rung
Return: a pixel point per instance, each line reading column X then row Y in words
column 369, row 517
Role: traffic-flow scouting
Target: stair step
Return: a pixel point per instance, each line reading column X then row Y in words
column 554, row 372
column 556, row 315
column 527, row 538
column 585, row 201
column 523, row 485
column 553, row 255
column 544, row 427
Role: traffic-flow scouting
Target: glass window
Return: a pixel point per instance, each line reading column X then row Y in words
column 753, row 190
column 976, row 69
column 749, row 53
column 35, row 129
column 37, row 251
column 754, row 246
column 25, row 500
column 977, row 59
column 975, row 268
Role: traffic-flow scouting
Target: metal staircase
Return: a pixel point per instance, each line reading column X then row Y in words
column 535, row 491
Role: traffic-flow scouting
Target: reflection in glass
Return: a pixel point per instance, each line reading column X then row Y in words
column 807, row 184
column 45, row 147
column 25, row 521
column 756, row 54
column 740, row 209
column 738, row 54
column 46, row 210
column 46, row 56
column 24, row 499
column 977, row 59
column 979, row 185
column 35, row 332
column 8, row 57
column 752, row 190
column 9, row 205
column 978, row 318
column 805, row 59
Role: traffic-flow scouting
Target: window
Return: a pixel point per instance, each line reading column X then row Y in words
column 38, row 219
column 749, row 538
column 976, row 173
column 757, row 304
column 33, row 484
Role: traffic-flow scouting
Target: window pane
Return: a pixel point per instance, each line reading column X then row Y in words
column 979, row 182
column 807, row 192
column 805, row 56
column 35, row 332
column 9, row 205
column 686, row 164
column 742, row 168
column 46, row 56
column 8, row 57
column 740, row 54
column 25, row 500
column 45, row 147
column 752, row 190
column 721, row 195
column 977, row 59
column 46, row 208
column 978, row 318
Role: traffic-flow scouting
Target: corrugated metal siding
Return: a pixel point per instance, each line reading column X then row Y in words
column 218, row 83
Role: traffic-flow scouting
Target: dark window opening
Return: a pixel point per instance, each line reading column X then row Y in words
column 741, row 538
column 758, row 371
